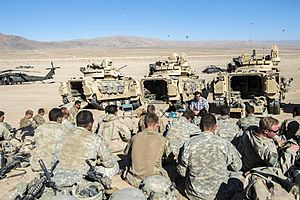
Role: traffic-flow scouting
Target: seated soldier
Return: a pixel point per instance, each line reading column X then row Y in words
column 46, row 138
column 250, row 120
column 113, row 130
column 290, row 127
column 38, row 119
column 227, row 127
column 66, row 123
column 261, row 148
column 146, row 150
column 77, row 147
column 4, row 131
column 205, row 161
column 181, row 130
column 25, row 121
column 142, row 125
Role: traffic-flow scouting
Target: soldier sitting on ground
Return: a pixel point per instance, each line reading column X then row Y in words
column 141, row 124
column 4, row 131
column 46, row 138
column 74, row 110
column 77, row 147
column 205, row 161
column 66, row 123
column 290, row 127
column 250, row 120
column 26, row 120
column 146, row 150
column 262, row 148
column 38, row 119
column 227, row 128
column 113, row 130
column 181, row 130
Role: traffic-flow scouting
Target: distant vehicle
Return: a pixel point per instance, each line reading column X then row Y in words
column 11, row 76
column 213, row 69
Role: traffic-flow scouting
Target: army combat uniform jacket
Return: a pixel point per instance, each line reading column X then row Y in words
column 248, row 121
column 38, row 120
column 227, row 128
column 204, row 162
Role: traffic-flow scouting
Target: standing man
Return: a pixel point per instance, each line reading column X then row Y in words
column 38, row 119
column 26, row 120
column 198, row 103
column 205, row 161
column 74, row 110
column 146, row 150
column 77, row 147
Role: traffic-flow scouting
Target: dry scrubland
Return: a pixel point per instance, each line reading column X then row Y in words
column 15, row 99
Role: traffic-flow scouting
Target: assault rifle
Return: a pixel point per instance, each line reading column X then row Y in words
column 36, row 188
column 93, row 175
column 15, row 163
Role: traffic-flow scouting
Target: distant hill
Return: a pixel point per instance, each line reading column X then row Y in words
column 11, row 42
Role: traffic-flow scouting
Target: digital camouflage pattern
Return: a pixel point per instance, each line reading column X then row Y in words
column 46, row 138
column 158, row 188
column 258, row 151
column 248, row 121
column 114, row 132
column 73, row 112
column 77, row 147
column 128, row 194
column 67, row 124
column 204, row 162
column 4, row 132
column 38, row 120
column 179, row 132
column 227, row 128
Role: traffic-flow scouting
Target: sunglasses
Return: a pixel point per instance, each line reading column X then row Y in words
column 273, row 130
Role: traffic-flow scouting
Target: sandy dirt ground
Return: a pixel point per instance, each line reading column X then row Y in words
column 15, row 99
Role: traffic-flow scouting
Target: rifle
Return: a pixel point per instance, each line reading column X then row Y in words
column 36, row 188
column 93, row 175
column 16, row 162
column 25, row 131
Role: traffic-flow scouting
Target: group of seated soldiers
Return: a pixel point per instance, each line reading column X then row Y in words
column 207, row 157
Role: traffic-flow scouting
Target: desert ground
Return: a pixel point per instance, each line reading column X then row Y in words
column 15, row 99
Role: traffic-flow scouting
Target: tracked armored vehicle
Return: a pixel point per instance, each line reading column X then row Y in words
column 102, row 85
column 171, row 81
column 252, row 80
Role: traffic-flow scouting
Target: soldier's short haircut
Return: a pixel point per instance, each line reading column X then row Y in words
column 29, row 112
column 225, row 110
column 249, row 109
column 150, row 108
column 41, row 110
column 296, row 111
column 266, row 123
column 208, row 121
column 83, row 118
column 151, row 118
column 77, row 102
column 1, row 113
column 111, row 109
column 54, row 114
column 188, row 114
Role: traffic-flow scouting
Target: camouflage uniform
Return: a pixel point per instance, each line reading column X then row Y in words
column 38, row 120
column 146, row 150
column 259, row 151
column 248, row 121
column 4, row 132
column 25, row 122
column 46, row 138
column 204, row 162
column 114, row 132
column 67, row 124
column 75, row 149
column 128, row 194
column 287, row 128
column 73, row 113
column 8, row 126
column 227, row 128
column 179, row 132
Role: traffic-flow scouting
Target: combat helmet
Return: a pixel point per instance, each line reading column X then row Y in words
column 128, row 194
column 158, row 188
column 88, row 191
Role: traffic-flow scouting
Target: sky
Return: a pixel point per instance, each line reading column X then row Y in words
column 204, row 20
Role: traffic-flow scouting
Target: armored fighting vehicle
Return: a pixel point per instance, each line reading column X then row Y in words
column 102, row 85
column 252, row 80
column 171, row 81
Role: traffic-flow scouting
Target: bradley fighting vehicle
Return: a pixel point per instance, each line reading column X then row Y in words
column 102, row 85
column 171, row 81
column 252, row 80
